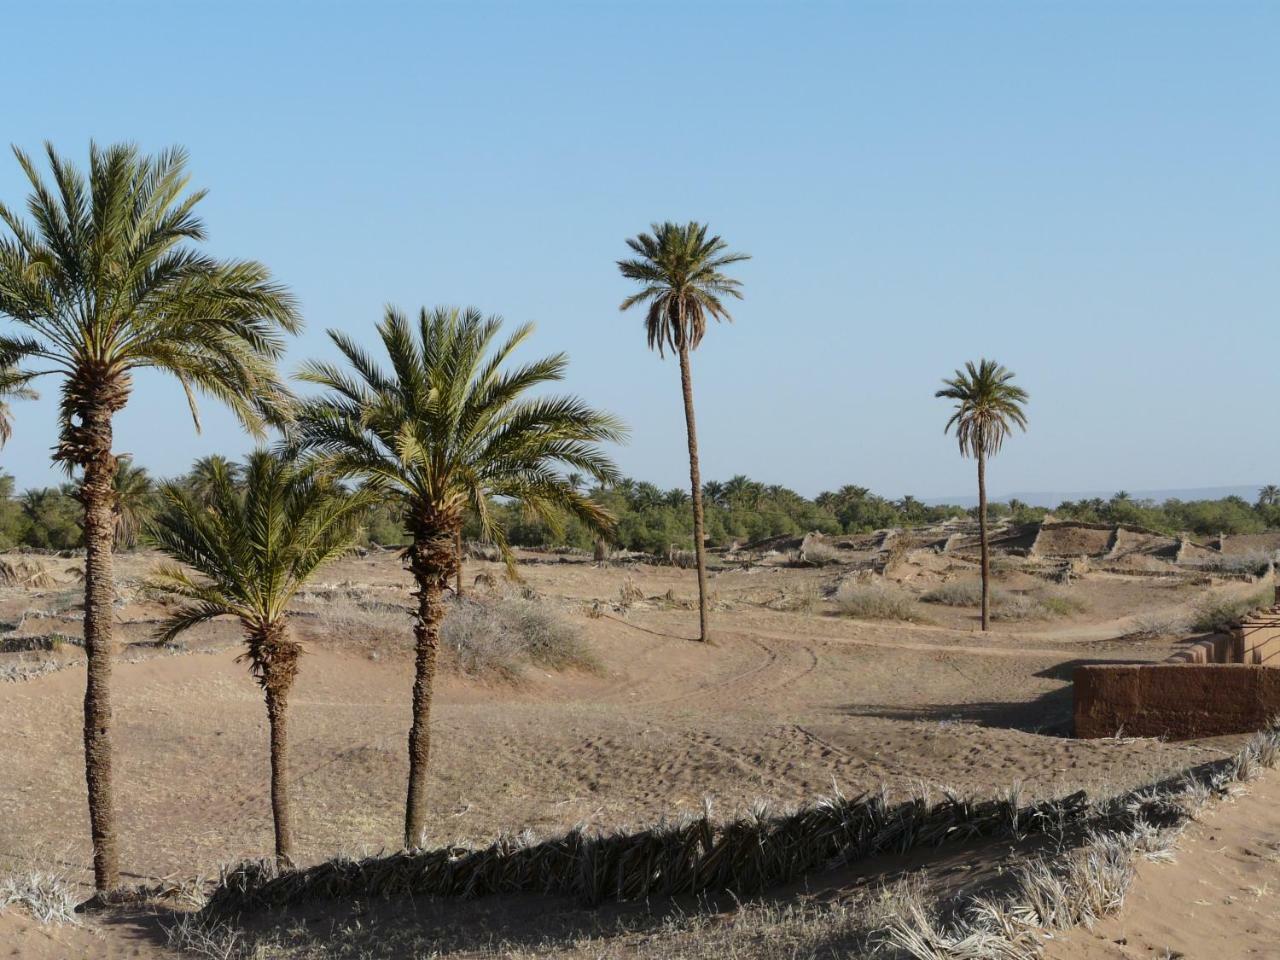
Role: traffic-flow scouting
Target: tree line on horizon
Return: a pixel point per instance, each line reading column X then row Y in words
column 649, row 519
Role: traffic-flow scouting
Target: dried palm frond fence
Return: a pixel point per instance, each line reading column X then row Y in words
column 1063, row 889
column 693, row 855
column 743, row 856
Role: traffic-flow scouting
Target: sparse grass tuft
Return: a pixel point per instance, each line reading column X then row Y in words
column 48, row 897
column 875, row 601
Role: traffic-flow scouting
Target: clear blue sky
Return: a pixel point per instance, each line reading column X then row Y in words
column 1088, row 192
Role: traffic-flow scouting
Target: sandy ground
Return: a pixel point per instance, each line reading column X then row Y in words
column 1219, row 899
column 783, row 704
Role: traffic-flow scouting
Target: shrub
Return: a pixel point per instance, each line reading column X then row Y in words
column 1018, row 606
column 875, row 601
column 501, row 636
column 818, row 554
column 957, row 593
column 1216, row 612
column 1062, row 605
column 1152, row 625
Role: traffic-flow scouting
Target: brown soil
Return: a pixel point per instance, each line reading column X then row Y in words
column 778, row 707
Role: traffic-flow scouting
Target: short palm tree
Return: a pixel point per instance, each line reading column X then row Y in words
column 103, row 282
column 681, row 273
column 246, row 550
column 445, row 429
column 988, row 405
column 134, row 502
column 208, row 472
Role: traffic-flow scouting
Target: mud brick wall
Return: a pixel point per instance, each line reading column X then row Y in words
column 1258, row 639
column 1221, row 648
column 1174, row 700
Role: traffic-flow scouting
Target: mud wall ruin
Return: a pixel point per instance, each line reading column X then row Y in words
column 1174, row 700
column 1227, row 683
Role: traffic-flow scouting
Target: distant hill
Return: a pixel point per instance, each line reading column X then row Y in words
column 1050, row 498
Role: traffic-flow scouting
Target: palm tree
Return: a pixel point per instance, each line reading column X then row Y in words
column 681, row 272
column 14, row 385
column 988, row 405
column 247, row 550
column 713, row 492
column 107, row 282
column 208, row 472
column 133, row 499
column 445, row 430
column 1269, row 495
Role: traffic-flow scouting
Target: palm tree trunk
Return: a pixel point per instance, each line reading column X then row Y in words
column 431, row 560
column 457, row 579
column 695, row 481
column 274, row 655
column 98, row 497
column 982, row 535
column 277, row 717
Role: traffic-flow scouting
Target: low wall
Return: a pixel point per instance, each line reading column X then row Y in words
column 1220, row 648
column 1258, row 639
column 1174, row 700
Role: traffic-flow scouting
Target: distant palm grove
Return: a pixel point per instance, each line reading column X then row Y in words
column 651, row 519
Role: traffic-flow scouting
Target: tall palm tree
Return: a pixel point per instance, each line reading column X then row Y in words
column 247, row 550
column 447, row 428
column 103, row 282
column 988, row 405
column 1269, row 495
column 134, row 502
column 681, row 272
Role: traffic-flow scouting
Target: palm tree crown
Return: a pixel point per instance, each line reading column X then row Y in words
column 134, row 501
column 14, row 385
column 448, row 427
column 682, row 272
column 104, row 283
column 249, row 547
column 988, row 405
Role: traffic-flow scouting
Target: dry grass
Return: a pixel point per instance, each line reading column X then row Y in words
column 1153, row 626
column 958, row 593
column 503, row 636
column 875, row 601
column 48, row 897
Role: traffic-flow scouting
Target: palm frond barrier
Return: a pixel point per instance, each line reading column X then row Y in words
column 743, row 856
column 673, row 857
column 1084, row 883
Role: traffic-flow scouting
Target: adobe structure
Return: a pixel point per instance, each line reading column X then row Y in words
column 1225, row 684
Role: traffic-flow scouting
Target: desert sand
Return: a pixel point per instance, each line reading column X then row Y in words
column 780, row 707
